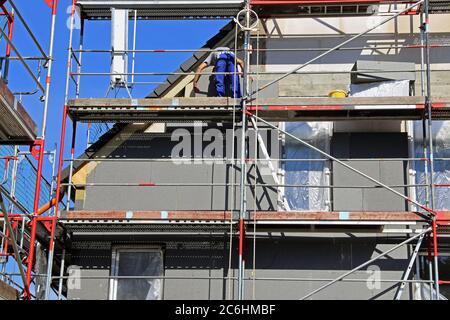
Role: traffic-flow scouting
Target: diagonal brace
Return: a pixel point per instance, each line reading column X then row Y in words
column 14, row 243
column 337, row 47
column 366, row 263
column 430, row 211
column 400, row 289
column 26, row 66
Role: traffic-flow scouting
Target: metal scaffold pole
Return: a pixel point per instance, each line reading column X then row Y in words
column 423, row 91
column 14, row 245
column 61, row 273
column 412, row 260
column 428, row 108
column 44, row 127
column 243, row 192
column 47, row 92
column 40, row 145
column 62, row 140
column 80, row 58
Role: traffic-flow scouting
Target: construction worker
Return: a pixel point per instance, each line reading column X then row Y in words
column 223, row 60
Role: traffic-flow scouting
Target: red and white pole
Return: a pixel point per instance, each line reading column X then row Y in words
column 61, row 152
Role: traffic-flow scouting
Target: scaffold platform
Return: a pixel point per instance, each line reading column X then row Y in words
column 151, row 9
column 97, row 223
column 16, row 125
column 208, row 9
column 271, row 109
column 279, row 217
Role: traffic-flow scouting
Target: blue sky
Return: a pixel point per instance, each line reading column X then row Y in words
column 150, row 35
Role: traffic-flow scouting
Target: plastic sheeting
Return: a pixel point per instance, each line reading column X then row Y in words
column 307, row 172
column 441, row 143
column 444, row 274
column 425, row 293
column 381, row 89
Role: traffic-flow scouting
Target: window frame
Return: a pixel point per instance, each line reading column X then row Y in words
column 115, row 259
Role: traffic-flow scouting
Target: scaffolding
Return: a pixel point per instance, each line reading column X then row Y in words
column 24, row 189
column 250, row 113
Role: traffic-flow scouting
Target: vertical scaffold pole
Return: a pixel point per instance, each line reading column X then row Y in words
column 44, row 126
column 53, row 182
column 429, row 105
column 61, row 274
column 57, row 200
column 243, row 198
column 72, row 157
column 61, row 153
column 80, row 57
column 429, row 259
column 10, row 20
column 41, row 151
column 27, row 293
column 423, row 87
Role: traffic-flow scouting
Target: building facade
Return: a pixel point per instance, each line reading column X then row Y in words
column 156, row 204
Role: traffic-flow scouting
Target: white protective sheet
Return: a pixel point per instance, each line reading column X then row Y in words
column 441, row 142
column 307, row 172
column 380, row 89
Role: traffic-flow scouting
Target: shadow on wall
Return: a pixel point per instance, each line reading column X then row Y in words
column 272, row 253
column 387, row 52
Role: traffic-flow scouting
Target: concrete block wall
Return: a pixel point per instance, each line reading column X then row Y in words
column 325, row 33
column 196, row 195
